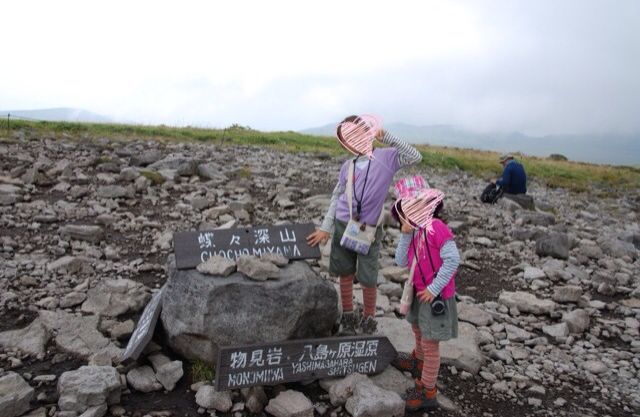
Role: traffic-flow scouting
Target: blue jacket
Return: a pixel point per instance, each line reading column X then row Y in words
column 514, row 179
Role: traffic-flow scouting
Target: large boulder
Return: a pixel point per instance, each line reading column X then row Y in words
column 201, row 312
column 15, row 395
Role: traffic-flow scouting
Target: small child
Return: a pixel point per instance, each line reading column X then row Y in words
column 371, row 181
column 437, row 260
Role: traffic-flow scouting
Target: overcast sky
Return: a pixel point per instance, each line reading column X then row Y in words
column 537, row 67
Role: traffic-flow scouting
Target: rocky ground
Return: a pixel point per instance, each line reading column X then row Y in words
column 549, row 300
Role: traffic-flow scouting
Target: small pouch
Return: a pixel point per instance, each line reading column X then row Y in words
column 408, row 291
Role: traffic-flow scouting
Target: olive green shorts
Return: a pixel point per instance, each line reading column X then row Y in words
column 443, row 327
column 346, row 262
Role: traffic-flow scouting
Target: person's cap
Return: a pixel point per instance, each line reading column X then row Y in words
column 505, row 157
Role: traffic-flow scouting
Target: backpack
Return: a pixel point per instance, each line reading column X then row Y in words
column 491, row 194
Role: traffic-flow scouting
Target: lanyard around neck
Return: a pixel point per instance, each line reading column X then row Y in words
column 355, row 195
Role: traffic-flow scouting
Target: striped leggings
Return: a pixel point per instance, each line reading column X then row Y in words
column 346, row 296
column 429, row 352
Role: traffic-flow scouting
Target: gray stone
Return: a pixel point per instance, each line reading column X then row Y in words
column 536, row 218
column 31, row 339
column 391, row 289
column 567, row 294
column 556, row 330
column 526, row 302
column 93, row 234
column 211, row 171
column 463, row 352
column 15, row 395
column 392, row 379
column 255, row 399
column 257, row 269
column 618, row 248
column 146, row 157
column 167, row 373
column 77, row 335
column 398, row 332
column 531, row 273
column 516, row 334
column 474, row 315
column 115, row 191
column 290, row 404
column 554, row 244
column 95, row 411
column 577, row 320
column 595, row 367
column 70, row 265
column 143, row 379
column 182, row 165
column 217, row 266
column 207, row 397
column 369, row 400
column 87, row 387
column 395, row 273
column 277, row 259
column 200, row 313
column 72, row 299
column 114, row 297
column 342, row 389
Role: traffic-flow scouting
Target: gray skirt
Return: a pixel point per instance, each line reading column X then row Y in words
column 443, row 327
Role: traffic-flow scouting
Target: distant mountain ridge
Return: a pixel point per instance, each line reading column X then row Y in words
column 59, row 114
column 601, row 149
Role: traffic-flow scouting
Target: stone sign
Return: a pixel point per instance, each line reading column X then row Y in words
column 289, row 240
column 299, row 360
column 145, row 328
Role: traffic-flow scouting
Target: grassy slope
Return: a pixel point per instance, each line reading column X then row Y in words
column 572, row 175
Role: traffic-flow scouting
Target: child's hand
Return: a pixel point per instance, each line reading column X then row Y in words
column 319, row 236
column 380, row 134
column 425, row 296
column 405, row 227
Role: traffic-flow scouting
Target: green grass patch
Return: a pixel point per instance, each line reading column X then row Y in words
column 201, row 371
column 153, row 176
column 553, row 172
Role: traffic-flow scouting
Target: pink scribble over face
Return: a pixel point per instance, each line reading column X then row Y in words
column 418, row 209
column 357, row 133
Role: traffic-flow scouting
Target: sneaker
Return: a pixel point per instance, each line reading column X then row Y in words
column 421, row 399
column 348, row 324
column 369, row 325
column 408, row 362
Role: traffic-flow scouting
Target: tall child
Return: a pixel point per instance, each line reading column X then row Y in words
column 437, row 260
column 371, row 181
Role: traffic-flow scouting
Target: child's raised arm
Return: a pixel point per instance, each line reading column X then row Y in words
column 407, row 154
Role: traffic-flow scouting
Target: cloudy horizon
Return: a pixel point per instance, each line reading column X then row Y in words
column 534, row 67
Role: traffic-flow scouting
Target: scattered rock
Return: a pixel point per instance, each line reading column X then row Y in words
column 143, row 379
column 32, row 339
column 87, row 387
column 15, row 395
column 526, row 302
column 207, row 397
column 290, row 404
column 567, row 294
column 218, row 266
column 553, row 244
column 257, row 269
column 577, row 320
column 93, row 234
column 369, row 400
column 114, row 297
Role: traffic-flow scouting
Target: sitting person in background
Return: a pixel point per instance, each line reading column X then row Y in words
column 513, row 183
column 514, row 179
